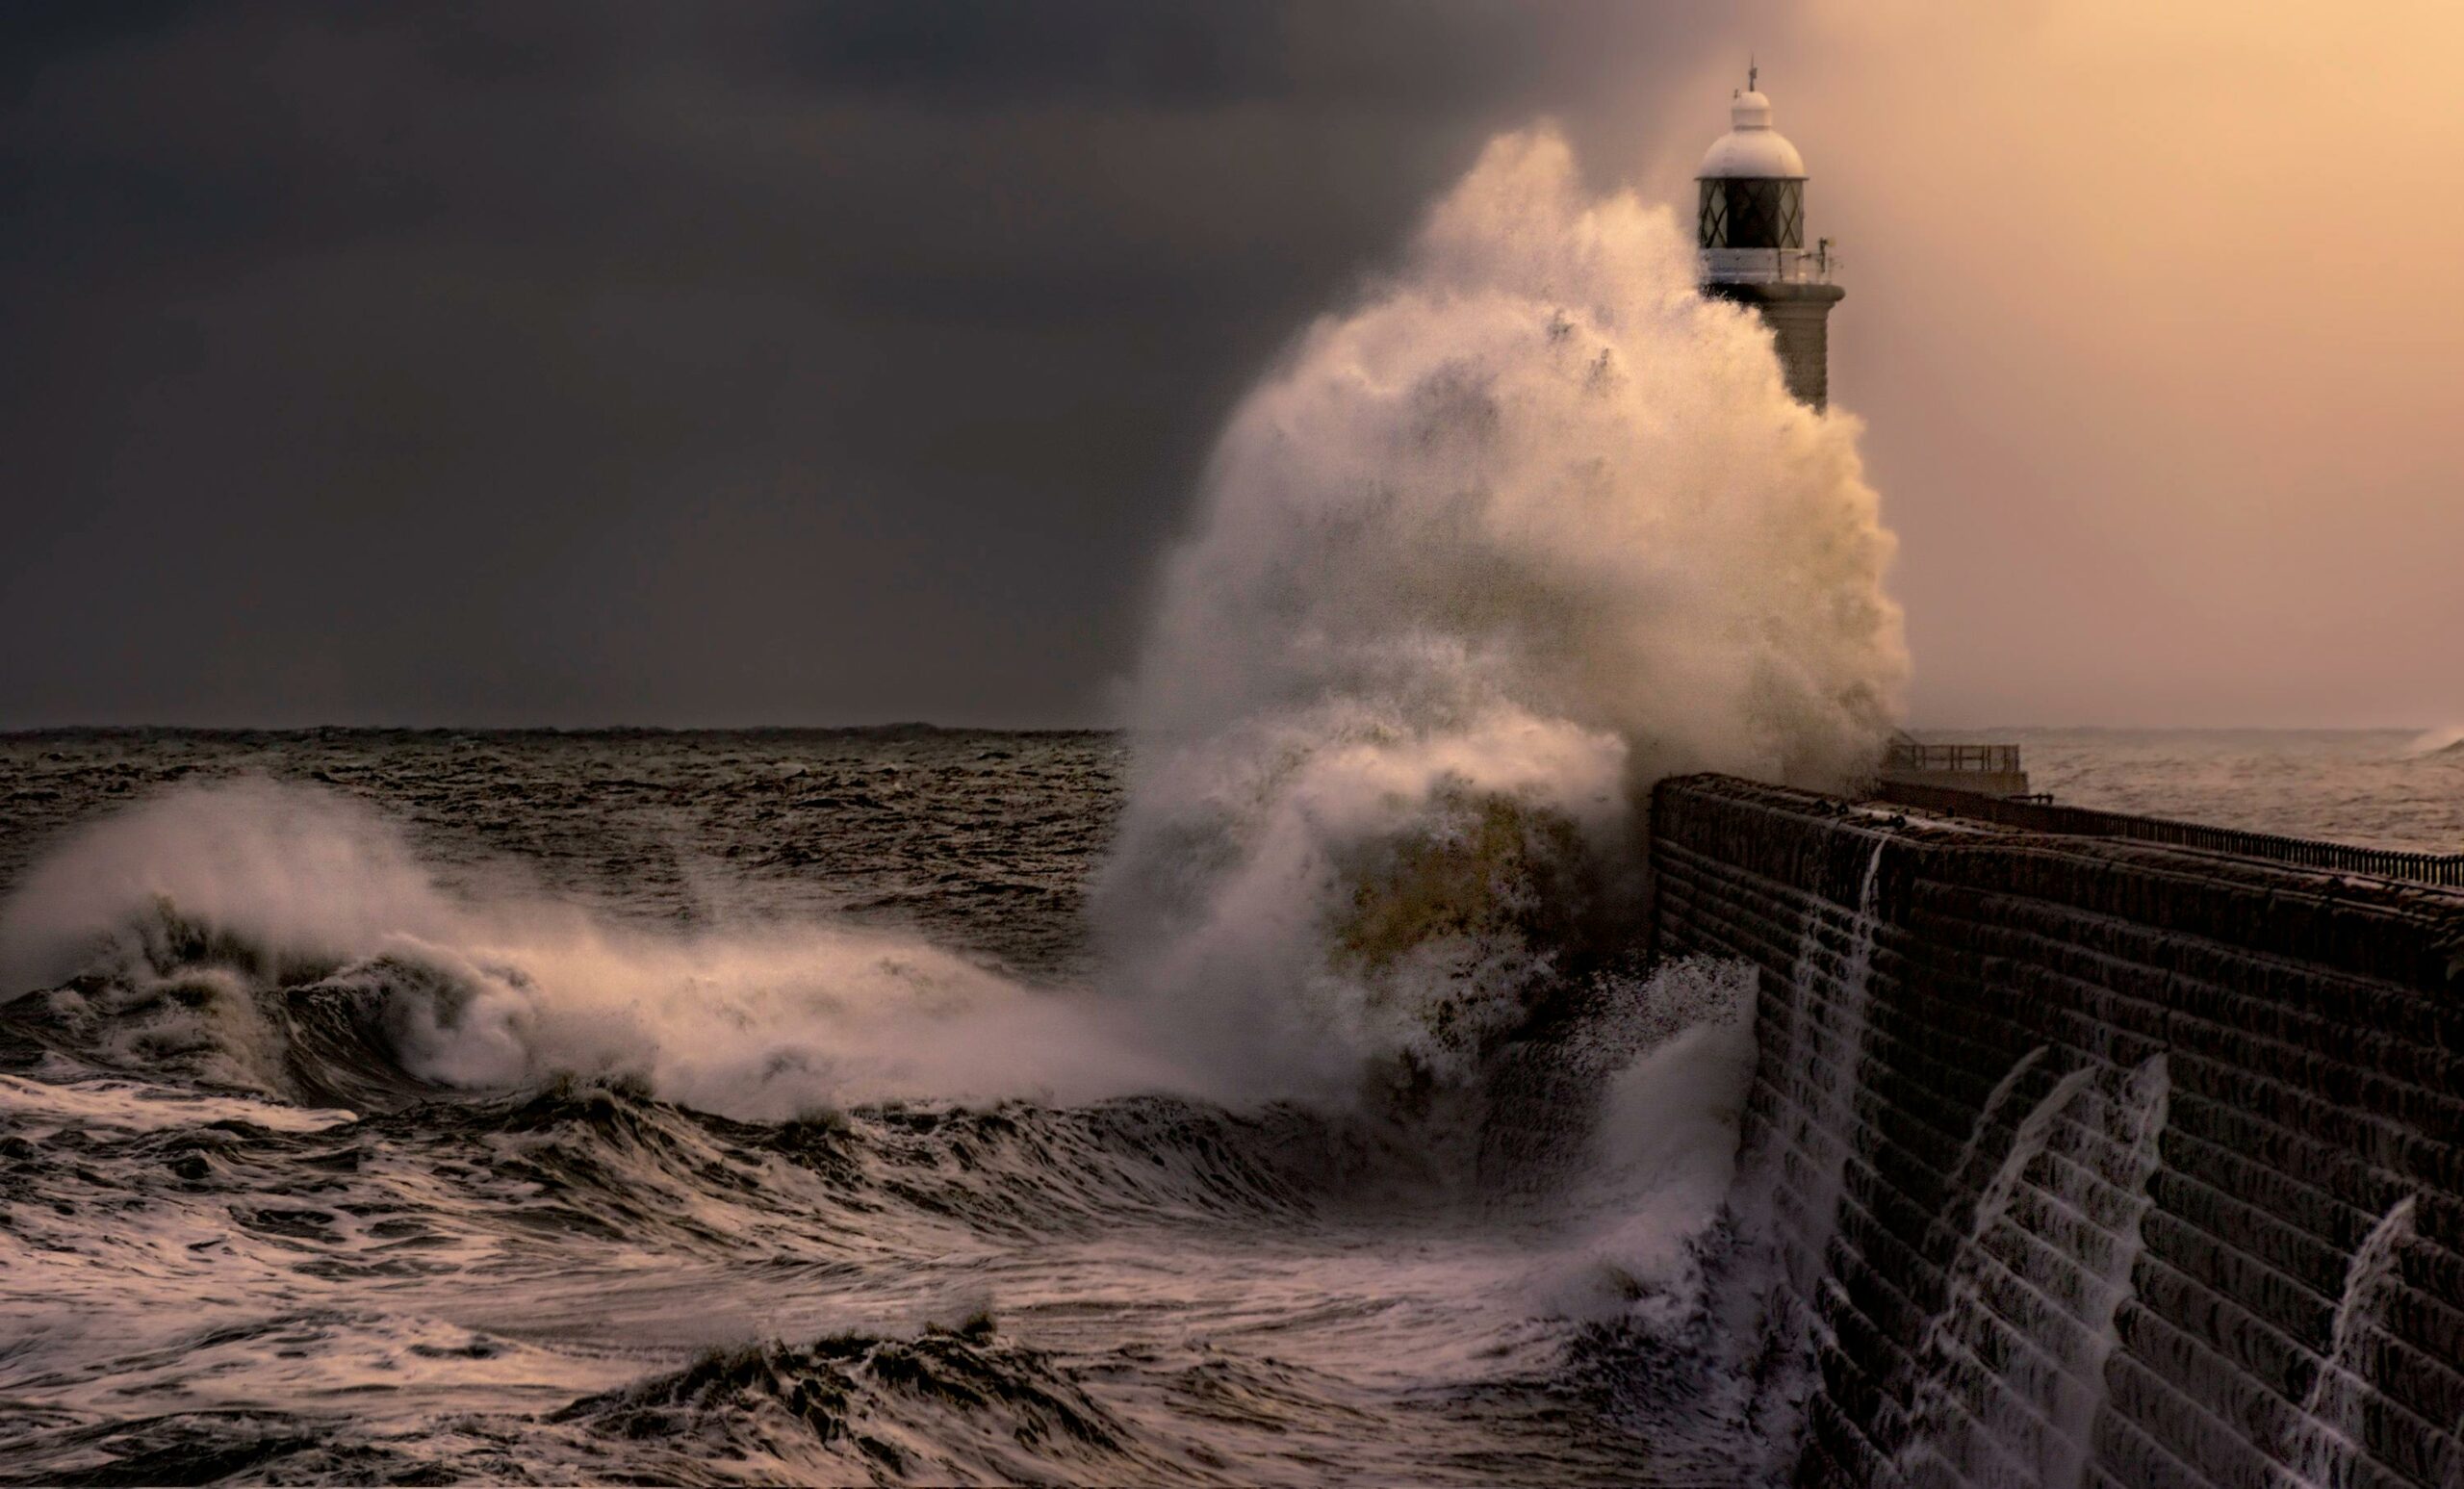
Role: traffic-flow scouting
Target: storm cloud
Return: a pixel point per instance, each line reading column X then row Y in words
column 564, row 363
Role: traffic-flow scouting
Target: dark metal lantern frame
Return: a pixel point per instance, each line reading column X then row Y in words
column 1750, row 211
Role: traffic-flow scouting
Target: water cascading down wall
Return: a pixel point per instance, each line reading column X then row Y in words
column 2087, row 1161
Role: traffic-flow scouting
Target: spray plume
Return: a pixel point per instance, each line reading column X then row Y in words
column 1531, row 527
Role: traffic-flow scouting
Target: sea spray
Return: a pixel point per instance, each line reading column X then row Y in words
column 2010, row 1372
column 1964, row 1411
column 1986, row 1115
column 1785, row 1212
column 1530, row 526
column 2324, row 1445
column 1824, row 1137
column 2126, row 1155
column 1661, row 1153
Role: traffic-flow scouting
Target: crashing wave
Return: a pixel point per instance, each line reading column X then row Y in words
column 269, row 936
column 1530, row 526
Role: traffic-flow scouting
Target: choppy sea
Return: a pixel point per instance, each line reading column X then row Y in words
column 423, row 1107
column 268, row 1211
column 2379, row 788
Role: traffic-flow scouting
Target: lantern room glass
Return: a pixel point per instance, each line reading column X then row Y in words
column 1742, row 212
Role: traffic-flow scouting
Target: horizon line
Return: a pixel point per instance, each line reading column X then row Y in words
column 927, row 726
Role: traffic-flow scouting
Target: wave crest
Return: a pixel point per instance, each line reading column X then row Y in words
column 285, row 938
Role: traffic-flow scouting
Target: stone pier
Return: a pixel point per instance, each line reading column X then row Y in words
column 2095, row 1162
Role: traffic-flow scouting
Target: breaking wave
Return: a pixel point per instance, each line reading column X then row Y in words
column 2437, row 741
column 1531, row 527
column 286, row 939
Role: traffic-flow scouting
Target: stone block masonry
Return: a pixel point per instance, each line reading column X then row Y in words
column 2088, row 1160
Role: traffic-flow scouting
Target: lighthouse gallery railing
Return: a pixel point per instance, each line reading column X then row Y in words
column 1768, row 265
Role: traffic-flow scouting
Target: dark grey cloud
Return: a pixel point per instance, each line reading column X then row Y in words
column 567, row 362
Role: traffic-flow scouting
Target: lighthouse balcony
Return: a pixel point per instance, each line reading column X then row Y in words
column 1768, row 265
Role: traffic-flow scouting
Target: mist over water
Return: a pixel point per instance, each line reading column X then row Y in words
column 1530, row 526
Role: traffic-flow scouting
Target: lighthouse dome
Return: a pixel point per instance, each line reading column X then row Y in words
column 1752, row 149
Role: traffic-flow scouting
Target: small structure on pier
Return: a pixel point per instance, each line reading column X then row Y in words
column 1984, row 769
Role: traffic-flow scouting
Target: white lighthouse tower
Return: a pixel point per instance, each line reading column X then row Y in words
column 1752, row 232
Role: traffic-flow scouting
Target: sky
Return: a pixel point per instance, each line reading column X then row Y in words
column 762, row 362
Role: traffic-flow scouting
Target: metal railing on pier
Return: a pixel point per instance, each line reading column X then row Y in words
column 2429, row 868
column 1910, row 755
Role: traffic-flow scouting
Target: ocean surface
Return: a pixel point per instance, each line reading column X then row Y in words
column 265, row 1221
column 2376, row 789
column 736, row 1108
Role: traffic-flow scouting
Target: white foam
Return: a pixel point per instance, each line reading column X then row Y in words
column 1665, row 1153
column 107, row 1105
column 756, row 1020
column 1530, row 526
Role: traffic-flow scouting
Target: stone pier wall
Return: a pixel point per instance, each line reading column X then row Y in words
column 2091, row 1162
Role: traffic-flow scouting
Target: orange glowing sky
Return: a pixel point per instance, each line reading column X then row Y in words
column 2154, row 317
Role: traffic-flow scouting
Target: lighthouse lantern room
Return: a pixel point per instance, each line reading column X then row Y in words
column 1749, row 226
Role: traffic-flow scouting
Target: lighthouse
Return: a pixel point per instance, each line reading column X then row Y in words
column 1751, row 229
